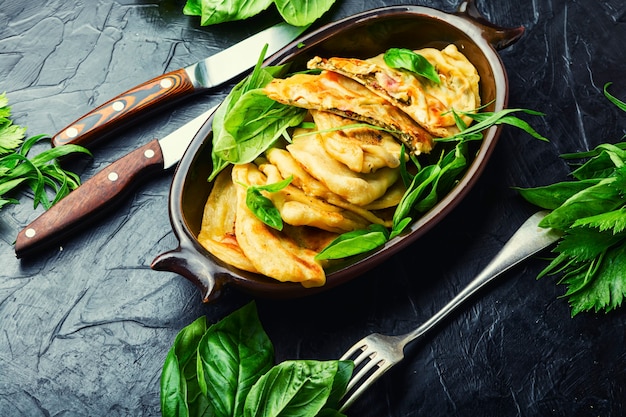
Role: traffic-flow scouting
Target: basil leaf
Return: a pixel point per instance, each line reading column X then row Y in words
column 592, row 200
column 419, row 186
column 354, row 243
column 231, row 356
column 399, row 227
column 302, row 12
column 248, row 122
column 554, row 195
column 221, row 137
column 295, row 12
column 262, row 207
column 212, row 12
column 275, row 187
column 254, row 124
column 340, row 385
column 451, row 166
column 402, row 58
column 180, row 393
column 600, row 166
column 292, row 389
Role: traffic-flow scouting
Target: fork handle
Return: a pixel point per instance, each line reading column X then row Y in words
column 528, row 240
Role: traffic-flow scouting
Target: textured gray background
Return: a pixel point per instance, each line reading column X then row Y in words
column 85, row 327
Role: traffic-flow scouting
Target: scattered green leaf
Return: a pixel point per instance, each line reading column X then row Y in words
column 235, row 375
column 294, row 12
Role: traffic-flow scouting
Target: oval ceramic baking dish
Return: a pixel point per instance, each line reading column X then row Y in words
column 363, row 35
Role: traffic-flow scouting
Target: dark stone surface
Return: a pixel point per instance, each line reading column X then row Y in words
column 84, row 328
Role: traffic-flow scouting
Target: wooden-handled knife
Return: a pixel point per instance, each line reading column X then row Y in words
column 175, row 85
column 110, row 185
column 107, row 187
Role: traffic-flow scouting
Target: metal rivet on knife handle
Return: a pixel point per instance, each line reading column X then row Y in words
column 128, row 106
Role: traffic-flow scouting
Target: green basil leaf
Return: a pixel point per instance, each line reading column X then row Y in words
column 263, row 208
column 452, row 165
column 340, row 384
column 256, row 122
column 180, row 393
column 600, row 166
column 193, row 8
column 355, row 243
column 248, row 122
column 292, row 389
column 399, row 227
column 592, row 200
column 275, row 187
column 231, row 356
column 295, row 12
column 222, row 139
column 212, row 12
column 302, row 12
column 554, row 195
column 402, row 58
column 419, row 186
column 405, row 175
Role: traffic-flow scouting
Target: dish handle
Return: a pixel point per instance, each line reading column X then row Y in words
column 499, row 37
column 189, row 263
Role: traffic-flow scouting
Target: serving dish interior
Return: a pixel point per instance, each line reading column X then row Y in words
column 360, row 36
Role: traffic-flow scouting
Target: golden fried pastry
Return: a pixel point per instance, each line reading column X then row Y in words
column 428, row 103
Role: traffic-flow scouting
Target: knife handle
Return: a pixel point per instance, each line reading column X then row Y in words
column 92, row 198
column 128, row 106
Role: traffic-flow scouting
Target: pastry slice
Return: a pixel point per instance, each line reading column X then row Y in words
column 428, row 103
column 330, row 91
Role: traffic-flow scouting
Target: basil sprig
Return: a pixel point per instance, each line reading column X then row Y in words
column 227, row 370
column 402, row 58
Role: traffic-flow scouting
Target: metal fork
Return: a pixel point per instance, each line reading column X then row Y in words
column 377, row 353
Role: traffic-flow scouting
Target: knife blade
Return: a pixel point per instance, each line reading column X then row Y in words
column 175, row 85
column 108, row 187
